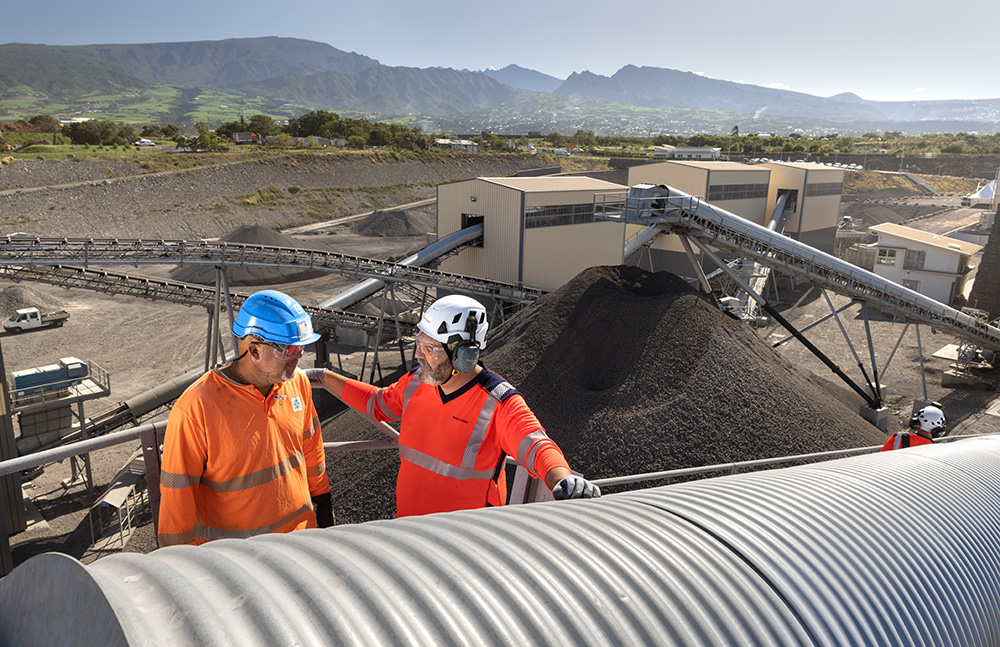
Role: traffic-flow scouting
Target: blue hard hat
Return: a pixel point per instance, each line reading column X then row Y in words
column 275, row 317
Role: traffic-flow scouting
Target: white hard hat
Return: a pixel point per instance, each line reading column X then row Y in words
column 930, row 419
column 454, row 319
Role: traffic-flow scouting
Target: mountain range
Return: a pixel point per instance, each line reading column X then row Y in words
column 292, row 76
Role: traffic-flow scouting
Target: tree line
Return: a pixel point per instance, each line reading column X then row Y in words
column 361, row 133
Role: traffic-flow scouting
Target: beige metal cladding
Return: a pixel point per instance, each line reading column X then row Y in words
column 687, row 177
column 554, row 255
column 500, row 208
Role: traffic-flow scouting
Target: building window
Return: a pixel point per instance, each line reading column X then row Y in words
column 471, row 220
column 736, row 192
column 913, row 285
column 825, row 188
column 914, row 259
column 557, row 215
column 886, row 257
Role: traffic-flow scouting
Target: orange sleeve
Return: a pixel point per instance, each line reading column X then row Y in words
column 377, row 404
column 312, row 446
column 524, row 438
column 184, row 456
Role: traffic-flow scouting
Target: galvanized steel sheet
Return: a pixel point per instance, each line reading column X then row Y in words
column 899, row 548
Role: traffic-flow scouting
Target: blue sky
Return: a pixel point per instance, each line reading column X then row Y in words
column 878, row 49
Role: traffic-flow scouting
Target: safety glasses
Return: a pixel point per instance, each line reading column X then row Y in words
column 284, row 351
column 429, row 348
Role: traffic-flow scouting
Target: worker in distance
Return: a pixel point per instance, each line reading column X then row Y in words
column 243, row 453
column 925, row 425
column 458, row 419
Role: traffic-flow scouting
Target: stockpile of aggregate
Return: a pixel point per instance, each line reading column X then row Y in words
column 15, row 297
column 632, row 372
column 252, row 235
column 396, row 223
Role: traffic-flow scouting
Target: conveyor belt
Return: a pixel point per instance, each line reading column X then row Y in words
column 678, row 212
column 24, row 251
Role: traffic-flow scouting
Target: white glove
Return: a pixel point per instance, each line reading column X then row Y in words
column 575, row 487
column 315, row 376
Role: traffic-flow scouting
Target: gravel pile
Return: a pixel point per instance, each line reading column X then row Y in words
column 15, row 297
column 985, row 294
column 396, row 223
column 632, row 372
column 253, row 235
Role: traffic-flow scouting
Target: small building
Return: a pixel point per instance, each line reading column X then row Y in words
column 538, row 231
column 663, row 151
column 933, row 265
column 697, row 153
column 457, row 144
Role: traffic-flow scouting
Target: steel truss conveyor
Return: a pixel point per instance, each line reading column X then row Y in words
column 673, row 211
column 188, row 294
column 30, row 252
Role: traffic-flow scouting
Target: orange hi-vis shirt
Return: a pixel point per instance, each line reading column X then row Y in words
column 237, row 463
column 904, row 439
column 452, row 447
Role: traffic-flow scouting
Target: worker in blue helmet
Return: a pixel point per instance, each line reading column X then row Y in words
column 243, row 453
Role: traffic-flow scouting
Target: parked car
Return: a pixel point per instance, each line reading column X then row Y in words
column 145, row 142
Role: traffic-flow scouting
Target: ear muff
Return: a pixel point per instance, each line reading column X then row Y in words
column 914, row 423
column 466, row 357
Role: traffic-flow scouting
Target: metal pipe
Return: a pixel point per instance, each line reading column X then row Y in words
column 694, row 263
column 920, row 354
column 885, row 369
column 871, row 351
column 857, row 359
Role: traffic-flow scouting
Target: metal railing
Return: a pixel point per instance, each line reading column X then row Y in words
column 151, row 436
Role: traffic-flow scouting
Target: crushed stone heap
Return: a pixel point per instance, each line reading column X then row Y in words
column 632, row 372
column 396, row 223
column 252, row 235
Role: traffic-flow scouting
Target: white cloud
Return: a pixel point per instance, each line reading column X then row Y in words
column 777, row 86
column 698, row 73
column 916, row 90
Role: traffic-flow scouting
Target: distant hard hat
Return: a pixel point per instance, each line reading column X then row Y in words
column 456, row 318
column 930, row 419
column 275, row 317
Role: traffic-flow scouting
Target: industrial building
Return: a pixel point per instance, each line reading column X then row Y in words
column 537, row 231
column 542, row 231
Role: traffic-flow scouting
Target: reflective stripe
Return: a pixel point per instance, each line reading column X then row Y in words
column 386, row 411
column 479, row 433
column 208, row 533
column 411, row 388
column 316, row 470
column 437, row 466
column 528, row 448
column 314, row 425
column 175, row 538
column 174, row 481
column 260, row 477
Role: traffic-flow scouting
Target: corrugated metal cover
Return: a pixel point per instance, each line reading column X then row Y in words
column 899, row 548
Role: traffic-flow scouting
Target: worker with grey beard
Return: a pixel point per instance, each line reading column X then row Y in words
column 458, row 420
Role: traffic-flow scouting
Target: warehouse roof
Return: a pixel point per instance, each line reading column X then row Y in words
column 944, row 242
column 560, row 183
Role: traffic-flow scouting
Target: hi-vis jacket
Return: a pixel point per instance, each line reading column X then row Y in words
column 904, row 439
column 452, row 447
column 237, row 464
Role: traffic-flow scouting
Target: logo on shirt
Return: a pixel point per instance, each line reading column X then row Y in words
column 296, row 403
